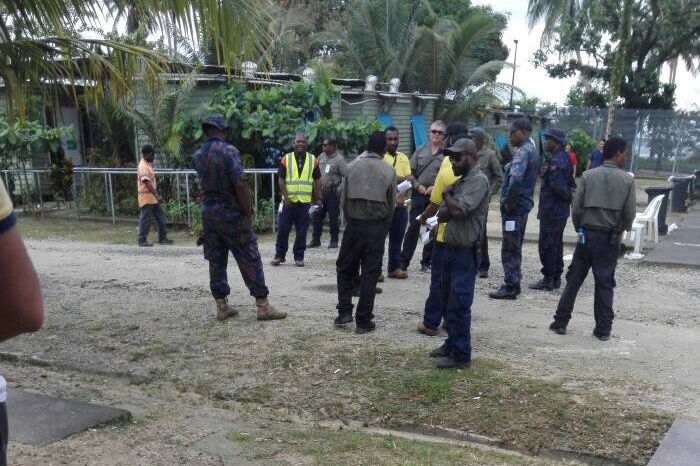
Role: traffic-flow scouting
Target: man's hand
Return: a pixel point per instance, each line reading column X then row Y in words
column 428, row 191
column 286, row 201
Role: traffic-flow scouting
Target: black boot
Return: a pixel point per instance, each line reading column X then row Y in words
column 506, row 291
column 556, row 283
column 315, row 243
column 546, row 284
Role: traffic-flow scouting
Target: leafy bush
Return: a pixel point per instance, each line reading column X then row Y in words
column 582, row 144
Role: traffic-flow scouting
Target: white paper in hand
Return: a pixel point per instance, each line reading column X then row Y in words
column 432, row 222
column 281, row 208
column 404, row 186
column 425, row 237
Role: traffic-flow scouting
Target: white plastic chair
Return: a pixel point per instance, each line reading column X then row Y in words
column 645, row 225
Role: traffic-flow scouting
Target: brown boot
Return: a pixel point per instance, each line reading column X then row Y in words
column 224, row 310
column 266, row 311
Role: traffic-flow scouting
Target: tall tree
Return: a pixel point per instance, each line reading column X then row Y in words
column 428, row 53
column 661, row 30
column 554, row 13
column 45, row 41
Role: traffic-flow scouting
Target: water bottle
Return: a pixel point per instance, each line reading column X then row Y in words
column 581, row 236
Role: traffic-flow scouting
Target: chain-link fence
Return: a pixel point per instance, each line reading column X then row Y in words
column 661, row 142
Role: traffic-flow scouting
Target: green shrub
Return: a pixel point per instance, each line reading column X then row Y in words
column 583, row 145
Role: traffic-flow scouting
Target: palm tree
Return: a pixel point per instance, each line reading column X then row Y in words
column 425, row 52
column 554, row 13
column 45, row 41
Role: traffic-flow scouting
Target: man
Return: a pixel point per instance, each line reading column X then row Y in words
column 516, row 203
column 148, row 199
column 332, row 166
column 299, row 180
column 464, row 210
column 490, row 165
column 402, row 168
column 425, row 164
column 227, row 219
column 556, row 191
column 22, row 308
column 368, row 199
column 432, row 311
column 604, row 207
column 596, row 158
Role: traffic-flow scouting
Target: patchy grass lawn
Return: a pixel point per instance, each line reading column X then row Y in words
column 347, row 448
column 384, row 386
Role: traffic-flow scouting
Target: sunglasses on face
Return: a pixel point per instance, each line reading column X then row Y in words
column 457, row 156
column 437, row 131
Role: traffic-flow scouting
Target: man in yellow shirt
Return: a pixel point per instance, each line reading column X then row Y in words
column 432, row 312
column 149, row 208
column 402, row 167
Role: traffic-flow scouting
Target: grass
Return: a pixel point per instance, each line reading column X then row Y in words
column 490, row 398
column 326, row 447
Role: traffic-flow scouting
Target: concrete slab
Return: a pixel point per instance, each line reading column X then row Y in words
column 39, row 419
column 682, row 246
column 680, row 446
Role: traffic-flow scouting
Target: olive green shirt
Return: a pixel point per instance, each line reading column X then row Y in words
column 369, row 189
column 490, row 165
column 605, row 199
column 332, row 170
column 471, row 192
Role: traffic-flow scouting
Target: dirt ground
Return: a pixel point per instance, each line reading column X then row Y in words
column 133, row 328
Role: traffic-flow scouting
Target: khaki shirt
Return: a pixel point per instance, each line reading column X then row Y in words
column 490, row 165
column 369, row 189
column 425, row 164
column 333, row 170
column 471, row 192
column 605, row 199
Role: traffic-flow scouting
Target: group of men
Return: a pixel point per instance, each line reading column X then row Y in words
column 452, row 177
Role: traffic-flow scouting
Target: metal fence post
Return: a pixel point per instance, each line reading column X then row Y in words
column 274, row 210
column 41, row 198
column 111, row 199
column 189, row 213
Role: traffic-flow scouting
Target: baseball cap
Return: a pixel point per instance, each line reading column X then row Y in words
column 522, row 124
column 217, row 121
column 556, row 134
column 478, row 134
column 461, row 145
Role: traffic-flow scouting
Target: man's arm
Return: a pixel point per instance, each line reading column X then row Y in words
column 577, row 208
column 22, row 308
column 150, row 187
column 630, row 209
column 497, row 179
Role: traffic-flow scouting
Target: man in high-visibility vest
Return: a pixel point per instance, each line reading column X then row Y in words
column 299, row 181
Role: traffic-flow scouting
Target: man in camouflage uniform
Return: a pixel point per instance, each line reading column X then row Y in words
column 604, row 207
column 556, row 191
column 490, row 165
column 516, row 203
column 227, row 219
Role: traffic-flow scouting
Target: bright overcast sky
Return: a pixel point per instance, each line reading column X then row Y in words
column 535, row 82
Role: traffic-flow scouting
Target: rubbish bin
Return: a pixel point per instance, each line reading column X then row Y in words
column 679, row 192
column 652, row 192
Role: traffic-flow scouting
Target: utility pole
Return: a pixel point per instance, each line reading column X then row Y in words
column 512, row 82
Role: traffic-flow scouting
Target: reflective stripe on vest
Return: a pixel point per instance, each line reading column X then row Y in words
column 300, row 185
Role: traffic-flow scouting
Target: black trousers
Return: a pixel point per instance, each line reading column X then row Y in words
column 361, row 252
column 4, row 431
column 600, row 254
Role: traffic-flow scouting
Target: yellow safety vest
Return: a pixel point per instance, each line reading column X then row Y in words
column 300, row 186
